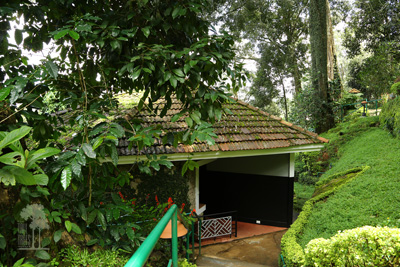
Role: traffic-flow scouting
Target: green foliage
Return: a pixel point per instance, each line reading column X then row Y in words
column 395, row 89
column 308, row 167
column 367, row 200
column 374, row 75
column 185, row 263
column 390, row 116
column 164, row 184
column 74, row 256
column 302, row 194
column 365, row 246
column 291, row 247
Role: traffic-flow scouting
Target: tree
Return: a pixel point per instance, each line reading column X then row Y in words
column 319, row 73
column 278, row 28
column 161, row 49
column 374, row 31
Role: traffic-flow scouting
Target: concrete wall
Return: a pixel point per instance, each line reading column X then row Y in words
column 281, row 165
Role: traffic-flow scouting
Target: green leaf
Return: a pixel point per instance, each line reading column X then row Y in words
column 21, row 175
column 91, row 217
column 189, row 121
column 98, row 141
column 73, row 34
column 115, row 233
column 115, row 44
column 114, row 155
column 19, row 262
column 175, row 13
column 3, row 242
column 68, row 226
column 57, row 235
column 14, row 136
column 42, row 254
column 119, row 130
column 195, row 117
column 61, row 34
column 4, row 92
column 6, row 177
column 102, row 220
column 92, row 242
column 66, row 176
column 76, row 168
column 76, row 228
column 146, row 31
column 41, row 154
column 41, row 179
column 173, row 82
column 11, row 158
column 88, row 149
column 178, row 72
column 136, row 74
column 193, row 63
column 83, row 211
column 45, row 242
column 52, row 69
column 116, row 214
column 130, row 233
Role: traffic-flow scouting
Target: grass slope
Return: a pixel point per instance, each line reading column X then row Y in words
column 371, row 198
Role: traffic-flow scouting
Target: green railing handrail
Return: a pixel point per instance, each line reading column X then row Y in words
column 366, row 106
column 141, row 255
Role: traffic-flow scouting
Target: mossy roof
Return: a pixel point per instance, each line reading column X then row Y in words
column 246, row 129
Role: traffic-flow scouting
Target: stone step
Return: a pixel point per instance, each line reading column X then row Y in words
column 211, row 261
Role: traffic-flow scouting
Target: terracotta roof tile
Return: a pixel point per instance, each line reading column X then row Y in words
column 247, row 128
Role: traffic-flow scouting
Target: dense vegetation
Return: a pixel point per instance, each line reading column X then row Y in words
column 58, row 119
column 359, row 189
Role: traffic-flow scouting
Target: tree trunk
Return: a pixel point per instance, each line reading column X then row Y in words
column 319, row 57
column 284, row 99
column 331, row 44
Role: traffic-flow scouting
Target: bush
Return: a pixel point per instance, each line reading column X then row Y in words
column 74, row 256
column 291, row 250
column 390, row 116
column 395, row 89
column 365, row 246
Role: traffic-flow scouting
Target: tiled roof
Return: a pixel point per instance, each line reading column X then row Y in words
column 248, row 128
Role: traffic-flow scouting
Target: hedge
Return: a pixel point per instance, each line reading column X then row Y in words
column 364, row 246
column 292, row 252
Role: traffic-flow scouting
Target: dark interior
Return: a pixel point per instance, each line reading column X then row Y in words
column 266, row 200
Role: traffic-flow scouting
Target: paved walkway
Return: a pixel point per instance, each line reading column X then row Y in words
column 257, row 251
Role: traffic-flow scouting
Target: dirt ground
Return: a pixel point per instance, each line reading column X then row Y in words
column 260, row 250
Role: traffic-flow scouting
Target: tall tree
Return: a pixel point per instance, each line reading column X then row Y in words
column 319, row 60
column 373, row 30
column 278, row 28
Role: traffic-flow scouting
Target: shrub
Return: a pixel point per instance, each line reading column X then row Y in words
column 365, row 246
column 395, row 89
column 74, row 256
column 291, row 250
column 390, row 116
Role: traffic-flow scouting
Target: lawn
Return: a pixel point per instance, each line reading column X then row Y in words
column 370, row 199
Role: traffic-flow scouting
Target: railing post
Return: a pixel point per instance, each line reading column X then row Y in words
column 174, row 226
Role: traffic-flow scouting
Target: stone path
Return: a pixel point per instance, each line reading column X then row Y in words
column 254, row 251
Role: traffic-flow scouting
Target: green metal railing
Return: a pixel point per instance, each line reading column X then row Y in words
column 369, row 102
column 141, row 255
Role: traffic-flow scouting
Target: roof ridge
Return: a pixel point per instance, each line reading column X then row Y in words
column 258, row 110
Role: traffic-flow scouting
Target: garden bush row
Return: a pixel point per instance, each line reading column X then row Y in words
column 292, row 252
column 364, row 246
